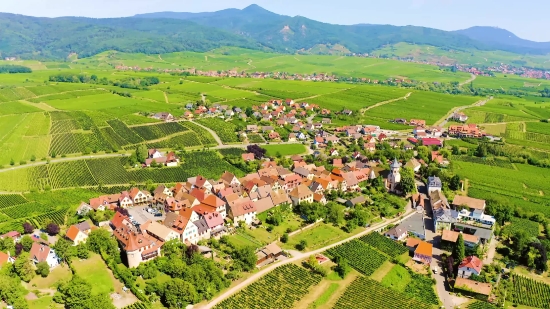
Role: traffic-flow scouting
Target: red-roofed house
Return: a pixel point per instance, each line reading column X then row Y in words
column 243, row 211
column 15, row 235
column 471, row 265
column 248, row 156
column 42, row 253
column 430, row 141
column 5, row 258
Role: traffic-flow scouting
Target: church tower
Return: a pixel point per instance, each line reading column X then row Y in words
column 395, row 176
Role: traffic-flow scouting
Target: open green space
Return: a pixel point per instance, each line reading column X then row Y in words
column 397, row 278
column 284, row 149
column 95, row 272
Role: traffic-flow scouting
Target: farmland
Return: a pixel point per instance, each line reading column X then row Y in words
column 284, row 150
column 421, row 105
column 366, row 293
column 82, row 173
column 529, row 292
column 280, row 288
column 384, row 244
column 225, row 130
column 358, row 97
column 359, row 255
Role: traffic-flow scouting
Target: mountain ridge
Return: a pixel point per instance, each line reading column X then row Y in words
column 252, row 27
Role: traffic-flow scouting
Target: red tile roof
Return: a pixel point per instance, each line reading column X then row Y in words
column 472, row 262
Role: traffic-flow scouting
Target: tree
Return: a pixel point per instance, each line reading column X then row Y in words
column 179, row 294
column 246, row 256
column 43, row 269
column 342, row 268
column 284, row 238
column 335, row 213
column 454, row 184
column 459, row 250
column 408, row 185
column 77, row 294
column 456, row 150
column 28, row 228
column 12, row 292
column 302, row 245
column 52, row 229
column 142, row 153
column 100, row 240
column 481, row 150
column 18, row 249
column 82, row 251
column 450, row 266
column 23, row 267
column 27, row 242
column 63, row 249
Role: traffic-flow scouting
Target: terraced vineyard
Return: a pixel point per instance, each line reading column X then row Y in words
column 359, row 255
column 123, row 131
column 280, row 289
column 384, row 244
column 367, row 293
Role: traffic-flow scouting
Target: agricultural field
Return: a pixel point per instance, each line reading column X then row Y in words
column 226, row 131
column 421, row 105
column 529, row 292
column 358, row 97
column 92, row 172
column 367, row 293
column 527, row 187
column 280, row 288
column 359, row 255
column 517, row 224
column 384, row 244
column 481, row 305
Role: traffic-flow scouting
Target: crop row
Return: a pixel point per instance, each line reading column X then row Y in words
column 126, row 133
column 359, row 255
column 58, row 217
column 236, row 152
column 528, row 136
column 255, row 138
column 204, row 136
column 138, row 305
column 63, row 126
column 280, row 289
column 519, row 224
column 62, row 144
column 152, row 132
column 529, row 292
column 481, row 305
column 11, row 200
column 504, row 163
column 25, row 210
column 367, row 293
column 384, row 244
column 227, row 131
column 186, row 139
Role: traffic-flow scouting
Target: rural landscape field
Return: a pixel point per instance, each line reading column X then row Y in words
column 238, row 165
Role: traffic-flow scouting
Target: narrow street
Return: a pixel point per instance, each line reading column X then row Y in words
column 442, row 288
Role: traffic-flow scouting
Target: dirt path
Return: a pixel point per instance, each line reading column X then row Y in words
column 319, row 95
column 299, row 257
column 472, row 78
column 385, row 102
column 166, row 97
column 443, row 121
column 43, row 106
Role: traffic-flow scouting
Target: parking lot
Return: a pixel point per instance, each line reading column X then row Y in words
column 141, row 215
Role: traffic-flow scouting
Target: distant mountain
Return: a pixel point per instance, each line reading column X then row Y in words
column 504, row 39
column 32, row 37
column 252, row 27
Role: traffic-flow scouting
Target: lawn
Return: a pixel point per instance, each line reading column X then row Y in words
column 57, row 274
column 45, row 302
column 327, row 294
column 284, row 149
column 291, row 221
column 397, row 278
column 95, row 272
column 318, row 236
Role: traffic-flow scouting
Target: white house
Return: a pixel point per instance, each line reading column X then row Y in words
column 397, row 233
column 42, row 253
column 243, row 212
column 471, row 265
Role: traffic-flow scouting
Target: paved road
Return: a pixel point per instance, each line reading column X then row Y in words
column 107, row 155
column 298, row 257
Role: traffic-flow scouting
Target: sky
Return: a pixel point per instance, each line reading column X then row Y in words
column 527, row 18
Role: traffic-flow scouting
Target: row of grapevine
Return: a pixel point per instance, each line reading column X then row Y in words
column 186, row 139
column 504, row 163
column 58, row 217
column 11, row 200
column 204, row 136
column 384, row 244
column 126, row 133
column 359, row 255
column 70, row 174
column 24, row 210
column 280, row 289
column 138, row 305
column 529, row 292
column 156, row 131
column 63, row 126
column 367, row 293
column 237, row 152
column 64, row 144
column 226, row 131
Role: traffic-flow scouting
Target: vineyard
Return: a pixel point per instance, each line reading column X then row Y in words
column 11, row 200
column 126, row 133
column 156, row 131
column 358, row 97
column 481, row 305
column 498, row 162
column 186, row 139
column 359, row 255
column 519, row 224
column 279, row 289
column 529, row 292
column 204, row 136
column 225, row 130
column 236, row 152
column 366, row 293
column 255, row 138
column 422, row 289
column 384, row 244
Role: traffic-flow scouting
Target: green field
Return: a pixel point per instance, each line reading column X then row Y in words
column 284, row 149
